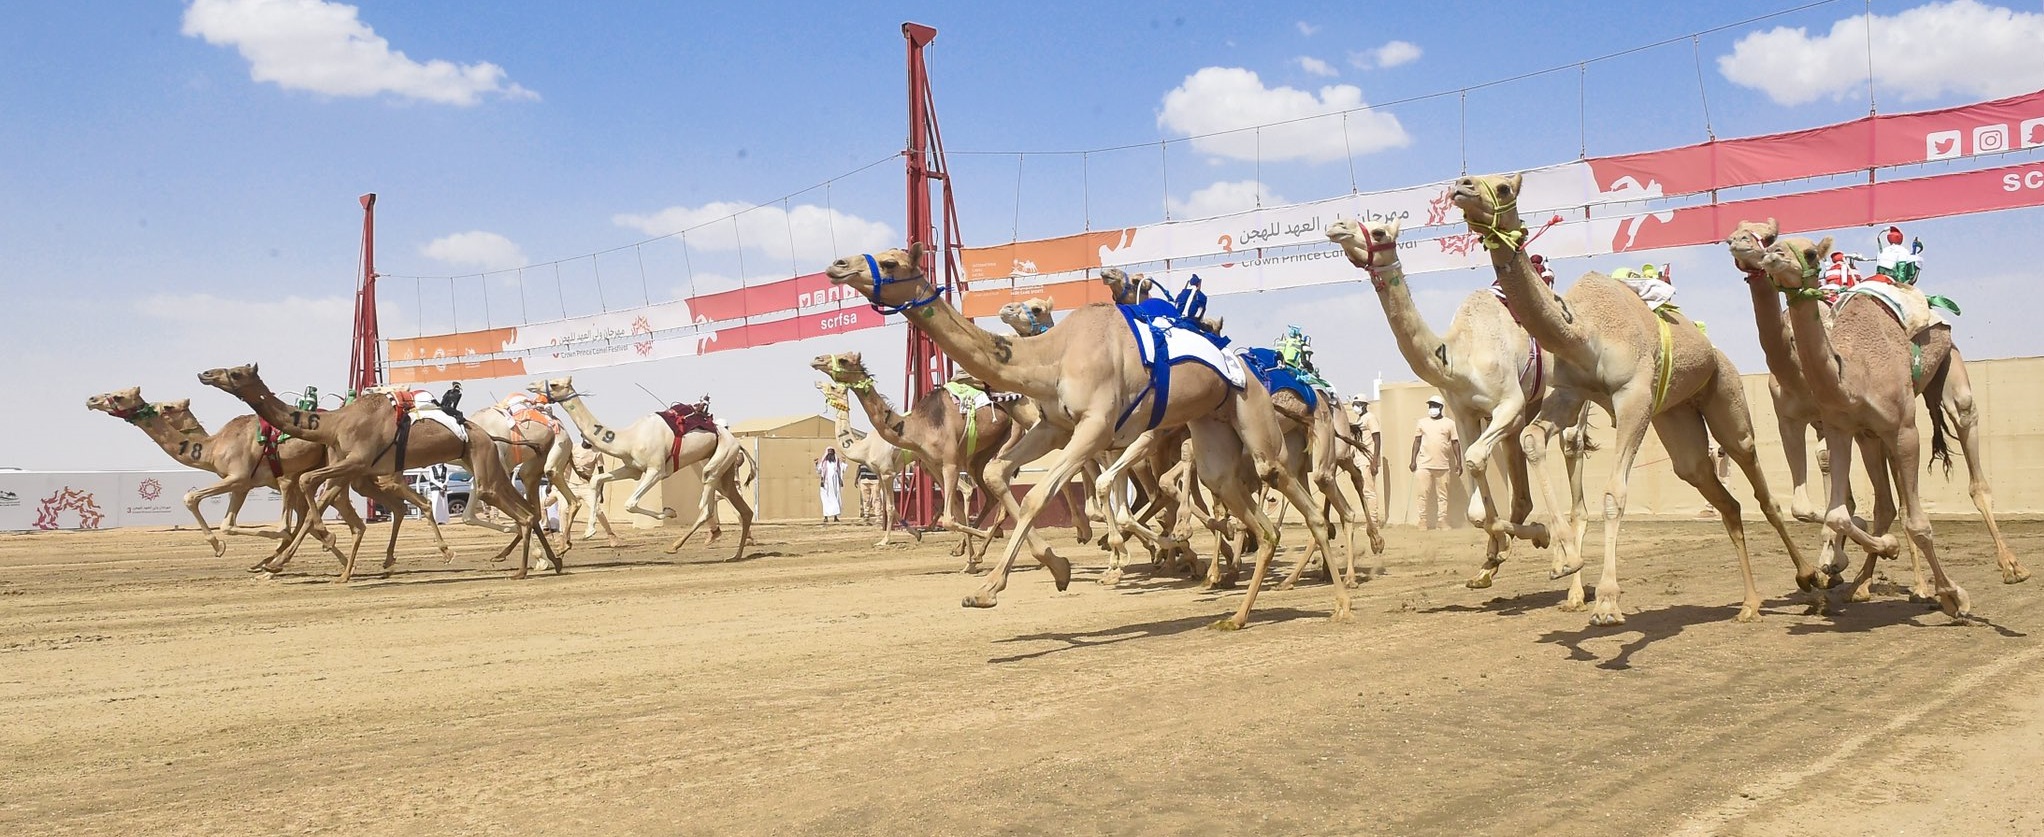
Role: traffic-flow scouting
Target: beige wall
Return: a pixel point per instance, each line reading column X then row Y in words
column 2011, row 430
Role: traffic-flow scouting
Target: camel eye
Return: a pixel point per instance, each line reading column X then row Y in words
column 890, row 264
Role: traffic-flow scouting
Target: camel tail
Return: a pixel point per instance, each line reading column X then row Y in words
column 1940, row 421
column 751, row 466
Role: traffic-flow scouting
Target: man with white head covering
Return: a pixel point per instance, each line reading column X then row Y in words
column 1436, row 453
column 1371, row 437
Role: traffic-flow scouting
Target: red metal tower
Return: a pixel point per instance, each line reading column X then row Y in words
column 927, row 365
column 365, row 357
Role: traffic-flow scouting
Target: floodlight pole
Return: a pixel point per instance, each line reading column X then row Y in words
column 365, row 356
column 927, row 366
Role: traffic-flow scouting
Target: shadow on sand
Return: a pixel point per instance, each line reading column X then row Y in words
column 1078, row 640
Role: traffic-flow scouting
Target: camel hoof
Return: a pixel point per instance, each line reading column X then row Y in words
column 1228, row 624
column 1748, row 613
column 1830, row 579
column 1110, row 578
column 2015, row 574
column 1607, row 618
column 979, row 600
column 1559, row 571
column 1861, row 594
column 1923, row 593
column 667, row 513
column 1481, row 582
column 1572, row 606
column 1955, row 603
column 261, row 567
column 672, row 549
column 219, row 549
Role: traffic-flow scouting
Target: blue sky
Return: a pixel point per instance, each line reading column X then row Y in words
column 181, row 180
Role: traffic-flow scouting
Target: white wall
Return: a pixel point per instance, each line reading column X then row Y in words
column 32, row 500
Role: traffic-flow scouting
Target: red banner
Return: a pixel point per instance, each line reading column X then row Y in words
column 773, row 297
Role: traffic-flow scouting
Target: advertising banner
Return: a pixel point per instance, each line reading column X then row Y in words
column 49, row 500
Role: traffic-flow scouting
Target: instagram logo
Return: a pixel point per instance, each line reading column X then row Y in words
column 1989, row 139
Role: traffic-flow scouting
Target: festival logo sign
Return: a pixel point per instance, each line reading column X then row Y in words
column 149, row 489
column 71, row 500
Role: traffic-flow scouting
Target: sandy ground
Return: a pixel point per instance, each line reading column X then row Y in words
column 828, row 687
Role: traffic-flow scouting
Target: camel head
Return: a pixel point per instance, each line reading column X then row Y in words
column 179, row 414
column 1490, row 203
column 1796, row 263
column 1370, row 245
column 120, row 403
column 848, row 368
column 1029, row 317
column 1749, row 242
column 890, row 278
column 554, row 389
column 1126, row 291
column 236, row 380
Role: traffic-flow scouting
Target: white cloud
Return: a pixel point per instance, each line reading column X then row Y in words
column 1315, row 66
column 1307, row 29
column 1222, row 198
column 805, row 233
column 485, row 250
column 1391, row 54
column 1225, row 98
column 1960, row 46
column 322, row 47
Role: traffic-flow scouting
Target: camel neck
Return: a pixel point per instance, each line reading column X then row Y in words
column 1776, row 343
column 887, row 423
column 1422, row 347
column 1028, row 365
column 603, row 439
column 1540, row 311
column 1821, row 371
column 310, row 425
column 194, row 448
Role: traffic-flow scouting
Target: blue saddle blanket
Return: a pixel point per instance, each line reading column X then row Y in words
column 1276, row 376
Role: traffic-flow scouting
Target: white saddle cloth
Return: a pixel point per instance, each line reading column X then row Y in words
column 428, row 413
column 1907, row 304
column 1180, row 344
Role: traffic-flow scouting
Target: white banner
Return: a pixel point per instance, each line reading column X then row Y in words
column 46, row 500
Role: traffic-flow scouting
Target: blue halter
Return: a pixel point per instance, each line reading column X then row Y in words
column 881, row 281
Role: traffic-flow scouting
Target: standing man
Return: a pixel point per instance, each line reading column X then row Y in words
column 1436, row 453
column 830, row 472
column 869, row 494
column 1371, row 437
column 436, row 486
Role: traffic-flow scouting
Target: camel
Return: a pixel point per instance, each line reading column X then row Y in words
column 936, row 431
column 1492, row 375
column 363, row 442
column 1795, row 410
column 1646, row 369
column 237, row 454
column 880, row 457
column 649, row 451
column 1942, row 381
column 1863, row 372
column 1088, row 372
column 522, row 417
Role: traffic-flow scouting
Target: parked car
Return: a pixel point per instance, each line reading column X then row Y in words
column 459, row 487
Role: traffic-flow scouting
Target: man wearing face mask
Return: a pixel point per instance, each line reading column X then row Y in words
column 1436, row 453
column 1364, row 424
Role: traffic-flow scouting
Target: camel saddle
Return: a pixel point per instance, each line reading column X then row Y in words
column 1165, row 340
column 684, row 419
column 1271, row 369
column 268, row 437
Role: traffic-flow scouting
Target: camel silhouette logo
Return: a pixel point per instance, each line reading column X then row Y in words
column 71, row 500
column 149, row 489
column 1437, row 209
column 1460, row 245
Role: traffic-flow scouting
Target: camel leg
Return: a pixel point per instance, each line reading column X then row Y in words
column 706, row 512
column 1838, row 515
column 1075, row 501
column 1684, row 433
column 1731, row 424
column 731, row 490
column 649, row 480
column 1905, row 455
column 1088, row 439
column 1114, row 502
column 1561, row 408
column 1631, row 413
column 1879, row 474
column 1795, row 443
column 193, row 498
column 597, row 517
column 1956, row 397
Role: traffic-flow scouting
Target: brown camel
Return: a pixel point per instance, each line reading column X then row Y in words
column 1646, row 369
column 237, row 454
column 1492, row 375
column 1089, row 370
column 883, row 459
column 363, row 442
column 1862, row 372
column 1938, row 374
column 1795, row 410
column 952, row 446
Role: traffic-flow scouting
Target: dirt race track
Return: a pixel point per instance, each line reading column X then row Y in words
column 828, row 687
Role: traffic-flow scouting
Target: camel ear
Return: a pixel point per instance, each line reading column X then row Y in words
column 915, row 256
column 1050, row 302
column 854, row 357
column 1824, row 247
column 1773, row 231
column 179, row 406
column 1516, row 181
column 1391, row 229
